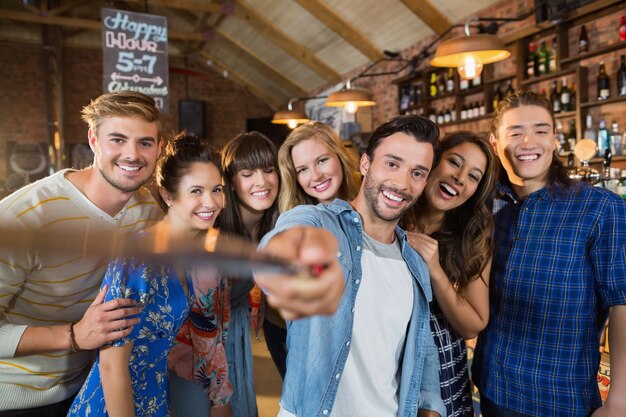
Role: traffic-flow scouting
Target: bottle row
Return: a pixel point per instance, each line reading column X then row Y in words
column 545, row 60
column 612, row 140
column 604, row 82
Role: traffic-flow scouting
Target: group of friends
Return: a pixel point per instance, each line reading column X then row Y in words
column 422, row 243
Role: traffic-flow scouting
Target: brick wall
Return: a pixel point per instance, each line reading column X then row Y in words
column 23, row 104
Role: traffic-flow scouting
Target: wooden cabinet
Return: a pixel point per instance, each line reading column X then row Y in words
column 580, row 69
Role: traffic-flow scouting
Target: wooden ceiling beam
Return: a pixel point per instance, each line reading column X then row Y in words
column 223, row 7
column 335, row 23
column 277, row 36
column 65, row 7
column 429, row 14
column 255, row 61
column 81, row 23
column 253, row 87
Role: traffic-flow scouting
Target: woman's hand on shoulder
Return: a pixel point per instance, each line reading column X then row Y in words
column 427, row 247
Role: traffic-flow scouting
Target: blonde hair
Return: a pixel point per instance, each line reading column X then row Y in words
column 121, row 104
column 291, row 194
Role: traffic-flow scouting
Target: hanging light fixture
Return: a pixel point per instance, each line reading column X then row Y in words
column 350, row 98
column 469, row 53
column 290, row 117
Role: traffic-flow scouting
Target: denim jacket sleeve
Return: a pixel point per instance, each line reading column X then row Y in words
column 304, row 215
column 430, row 391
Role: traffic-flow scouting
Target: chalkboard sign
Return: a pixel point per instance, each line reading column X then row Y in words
column 134, row 54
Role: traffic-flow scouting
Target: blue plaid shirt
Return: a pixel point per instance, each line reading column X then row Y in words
column 559, row 264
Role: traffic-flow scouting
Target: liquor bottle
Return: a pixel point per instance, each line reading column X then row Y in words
column 441, row 84
column 583, row 40
column 477, row 81
column 532, row 63
column 555, row 98
column 589, row 132
column 560, row 137
column 621, row 77
column 450, row 81
column 481, row 109
column 497, row 97
column 553, row 55
column 464, row 112
column 622, row 28
column 476, row 110
column 509, row 90
column 418, row 94
column 407, row 99
column 616, row 139
column 603, row 138
column 566, row 97
column 463, row 84
column 572, row 136
column 453, row 114
column 604, row 83
column 433, row 116
column 544, row 59
column 440, row 117
column 433, row 84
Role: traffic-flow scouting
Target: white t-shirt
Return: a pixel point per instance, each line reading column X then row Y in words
column 384, row 302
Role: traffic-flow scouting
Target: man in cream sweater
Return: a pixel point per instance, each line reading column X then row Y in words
column 51, row 310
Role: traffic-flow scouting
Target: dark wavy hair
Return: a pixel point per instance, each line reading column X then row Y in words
column 420, row 128
column 465, row 237
column 252, row 151
column 557, row 173
column 182, row 150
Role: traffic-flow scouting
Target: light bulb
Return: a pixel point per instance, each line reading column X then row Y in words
column 351, row 107
column 292, row 123
column 470, row 67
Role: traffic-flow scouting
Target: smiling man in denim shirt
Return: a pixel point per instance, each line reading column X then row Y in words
column 375, row 355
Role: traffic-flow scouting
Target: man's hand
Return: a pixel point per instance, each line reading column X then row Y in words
column 304, row 295
column 105, row 322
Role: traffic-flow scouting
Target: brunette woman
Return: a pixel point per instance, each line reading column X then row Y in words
column 451, row 227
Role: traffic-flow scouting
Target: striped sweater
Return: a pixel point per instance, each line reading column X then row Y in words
column 42, row 289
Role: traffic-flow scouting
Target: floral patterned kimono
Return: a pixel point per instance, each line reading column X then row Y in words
column 159, row 291
column 199, row 354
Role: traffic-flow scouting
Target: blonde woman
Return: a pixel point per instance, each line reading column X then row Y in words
column 315, row 167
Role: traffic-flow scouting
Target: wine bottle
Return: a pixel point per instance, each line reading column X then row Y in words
column 560, row 137
column 481, row 109
column 532, row 63
column 573, row 96
column 604, row 83
column 497, row 97
column 622, row 28
column 441, row 84
column 553, row 55
column 572, row 135
column 566, row 97
column 544, row 59
column 464, row 112
column 555, row 98
column 583, row 40
column 447, row 118
column 450, row 81
column 616, row 139
column 603, row 138
column 589, row 132
column 621, row 77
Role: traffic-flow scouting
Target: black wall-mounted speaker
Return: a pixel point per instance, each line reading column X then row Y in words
column 191, row 116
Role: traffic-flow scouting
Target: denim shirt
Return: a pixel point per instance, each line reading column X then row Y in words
column 319, row 346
